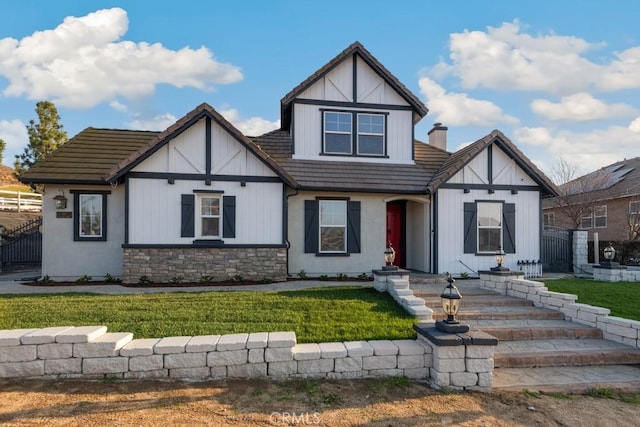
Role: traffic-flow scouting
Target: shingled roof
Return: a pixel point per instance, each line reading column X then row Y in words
column 462, row 157
column 355, row 176
column 356, row 48
column 86, row 157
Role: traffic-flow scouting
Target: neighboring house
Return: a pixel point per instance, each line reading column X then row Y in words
column 325, row 193
column 606, row 201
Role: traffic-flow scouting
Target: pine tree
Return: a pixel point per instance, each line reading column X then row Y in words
column 44, row 137
column 3, row 145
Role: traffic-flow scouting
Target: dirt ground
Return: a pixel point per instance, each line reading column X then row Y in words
column 371, row 402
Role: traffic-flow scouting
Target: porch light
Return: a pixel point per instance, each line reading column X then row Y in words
column 451, row 298
column 609, row 252
column 389, row 255
column 500, row 256
column 60, row 201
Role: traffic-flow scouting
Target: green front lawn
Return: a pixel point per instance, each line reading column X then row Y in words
column 623, row 298
column 316, row 315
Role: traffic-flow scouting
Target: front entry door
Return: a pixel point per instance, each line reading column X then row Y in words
column 396, row 230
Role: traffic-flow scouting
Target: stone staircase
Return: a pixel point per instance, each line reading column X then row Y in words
column 538, row 349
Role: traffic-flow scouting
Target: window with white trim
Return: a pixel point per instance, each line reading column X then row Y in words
column 209, row 219
column 333, row 226
column 586, row 220
column 549, row 220
column 370, row 134
column 489, row 227
column 600, row 216
column 634, row 209
column 337, row 132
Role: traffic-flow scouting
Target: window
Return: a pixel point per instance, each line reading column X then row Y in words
column 371, row 134
column 90, row 214
column 594, row 218
column 331, row 227
column 489, row 227
column 339, row 137
column 209, row 216
column 337, row 132
column 586, row 221
column 634, row 209
column 549, row 220
column 600, row 216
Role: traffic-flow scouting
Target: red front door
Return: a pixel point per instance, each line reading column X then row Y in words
column 395, row 230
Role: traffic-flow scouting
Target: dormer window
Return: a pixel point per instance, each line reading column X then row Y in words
column 340, row 139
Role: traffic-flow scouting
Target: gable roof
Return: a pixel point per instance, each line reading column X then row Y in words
column 462, row 157
column 201, row 111
column 323, row 175
column 86, row 157
column 356, row 48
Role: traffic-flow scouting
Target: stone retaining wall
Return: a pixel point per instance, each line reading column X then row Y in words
column 192, row 263
column 90, row 352
column 616, row 274
column 613, row 328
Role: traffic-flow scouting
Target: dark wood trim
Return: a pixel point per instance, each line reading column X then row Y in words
column 202, row 244
column 208, row 191
column 343, row 104
column 435, row 234
column 76, row 212
column 126, row 210
column 89, row 191
column 208, row 148
column 202, row 177
column 354, row 82
column 490, row 164
column 498, row 187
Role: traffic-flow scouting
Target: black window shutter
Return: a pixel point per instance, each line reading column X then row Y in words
column 229, row 217
column 187, row 229
column 311, row 226
column 509, row 228
column 470, row 228
column 353, row 227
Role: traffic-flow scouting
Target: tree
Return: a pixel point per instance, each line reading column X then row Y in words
column 578, row 195
column 3, row 145
column 44, row 137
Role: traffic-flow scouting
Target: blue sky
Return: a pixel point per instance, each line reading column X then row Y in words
column 560, row 78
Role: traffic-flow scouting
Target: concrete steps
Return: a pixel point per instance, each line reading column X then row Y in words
column 538, row 349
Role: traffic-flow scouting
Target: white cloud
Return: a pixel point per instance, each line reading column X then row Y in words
column 580, row 107
column 458, row 109
column 14, row 134
column 118, row 106
column 624, row 72
column 505, row 58
column 634, row 126
column 590, row 150
column 83, row 62
column 252, row 126
column 157, row 123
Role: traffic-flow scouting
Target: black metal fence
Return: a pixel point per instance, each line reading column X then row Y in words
column 22, row 246
column 557, row 250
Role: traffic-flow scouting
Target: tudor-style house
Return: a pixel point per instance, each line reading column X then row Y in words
column 343, row 176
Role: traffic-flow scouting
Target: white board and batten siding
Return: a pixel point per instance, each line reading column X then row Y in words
column 505, row 170
column 337, row 85
column 451, row 218
column 185, row 154
column 155, row 205
column 155, row 211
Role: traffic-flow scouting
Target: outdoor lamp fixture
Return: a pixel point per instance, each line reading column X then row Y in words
column 60, row 201
column 500, row 255
column 389, row 258
column 451, row 304
column 609, row 252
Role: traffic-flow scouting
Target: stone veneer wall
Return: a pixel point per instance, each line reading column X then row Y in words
column 613, row 328
column 89, row 352
column 624, row 274
column 190, row 264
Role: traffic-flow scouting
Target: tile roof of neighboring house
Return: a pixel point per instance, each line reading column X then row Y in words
column 355, row 48
column 86, row 157
column 617, row 180
column 460, row 158
column 355, row 176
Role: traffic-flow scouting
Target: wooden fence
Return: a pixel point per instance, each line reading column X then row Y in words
column 20, row 201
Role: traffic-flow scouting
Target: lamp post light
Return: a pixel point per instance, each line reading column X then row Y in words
column 389, row 258
column 451, row 304
column 609, row 254
column 500, row 256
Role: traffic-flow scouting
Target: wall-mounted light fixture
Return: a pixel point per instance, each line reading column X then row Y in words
column 60, row 200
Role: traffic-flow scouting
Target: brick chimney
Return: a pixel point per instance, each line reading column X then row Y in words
column 438, row 136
